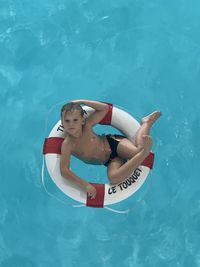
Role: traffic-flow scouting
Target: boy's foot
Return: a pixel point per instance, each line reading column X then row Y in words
column 151, row 118
column 147, row 143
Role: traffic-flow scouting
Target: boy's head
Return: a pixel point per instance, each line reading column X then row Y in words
column 72, row 117
column 70, row 107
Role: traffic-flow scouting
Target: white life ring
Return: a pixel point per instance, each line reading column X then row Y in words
column 106, row 194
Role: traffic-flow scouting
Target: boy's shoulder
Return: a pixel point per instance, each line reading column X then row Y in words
column 67, row 141
column 66, row 146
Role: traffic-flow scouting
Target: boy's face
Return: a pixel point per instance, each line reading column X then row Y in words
column 72, row 121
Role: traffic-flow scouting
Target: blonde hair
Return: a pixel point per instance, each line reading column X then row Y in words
column 71, row 107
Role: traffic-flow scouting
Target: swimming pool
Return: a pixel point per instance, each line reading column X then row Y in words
column 140, row 55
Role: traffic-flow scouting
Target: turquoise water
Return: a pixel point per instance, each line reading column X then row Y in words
column 141, row 55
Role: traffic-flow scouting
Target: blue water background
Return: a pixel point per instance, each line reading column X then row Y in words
column 141, row 55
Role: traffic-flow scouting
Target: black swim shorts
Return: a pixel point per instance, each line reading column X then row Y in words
column 113, row 142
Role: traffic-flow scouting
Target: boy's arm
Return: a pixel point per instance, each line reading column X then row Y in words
column 101, row 110
column 65, row 164
column 99, row 106
column 68, row 174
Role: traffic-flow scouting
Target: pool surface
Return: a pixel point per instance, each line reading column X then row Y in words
column 140, row 55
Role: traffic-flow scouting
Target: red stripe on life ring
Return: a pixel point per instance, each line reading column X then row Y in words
column 98, row 201
column 148, row 162
column 52, row 145
column 108, row 117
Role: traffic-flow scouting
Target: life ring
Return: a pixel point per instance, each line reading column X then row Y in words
column 106, row 194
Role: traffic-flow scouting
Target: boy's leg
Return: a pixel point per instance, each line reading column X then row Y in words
column 146, row 124
column 118, row 170
column 126, row 149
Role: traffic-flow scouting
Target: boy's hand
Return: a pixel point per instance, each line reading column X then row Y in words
column 91, row 191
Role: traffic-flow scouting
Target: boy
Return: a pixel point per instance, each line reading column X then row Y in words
column 119, row 154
